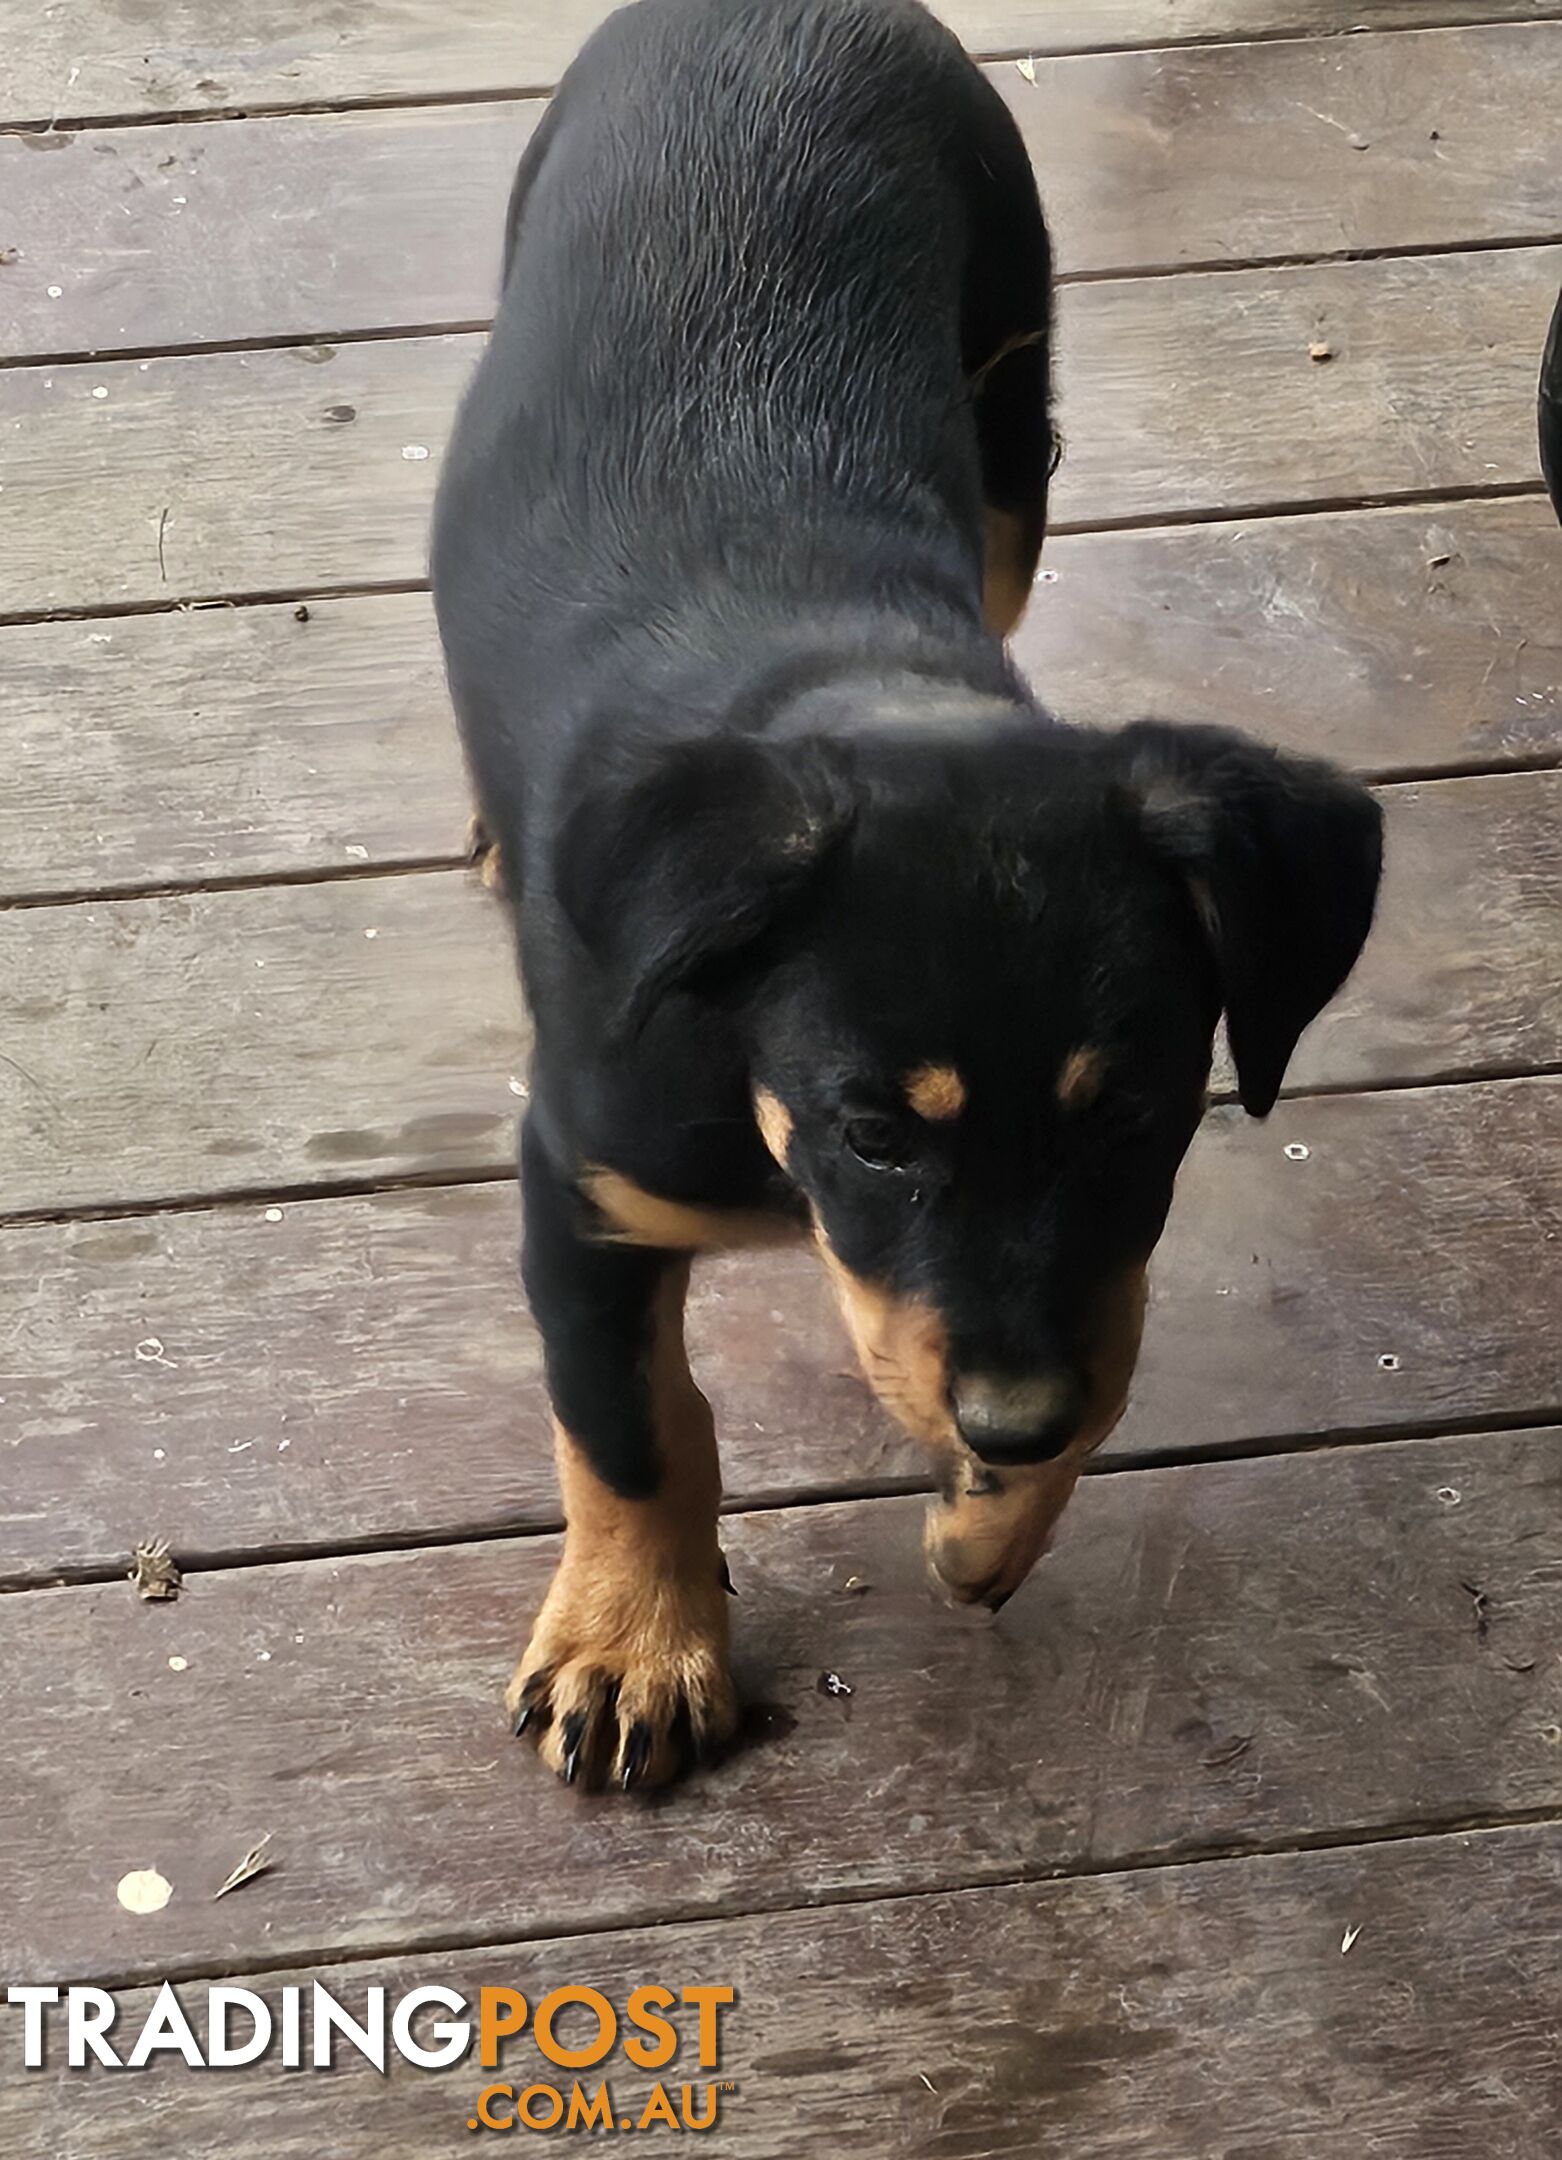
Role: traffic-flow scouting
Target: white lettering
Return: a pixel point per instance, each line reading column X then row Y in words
column 166, row 2027
column 452, row 2040
column 222, row 2051
column 90, row 2014
column 329, row 2016
column 33, row 2001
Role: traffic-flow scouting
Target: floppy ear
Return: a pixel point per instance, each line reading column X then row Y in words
column 1283, row 855
column 683, row 853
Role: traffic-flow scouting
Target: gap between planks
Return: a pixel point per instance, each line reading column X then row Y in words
column 521, row 93
column 425, row 865
column 1159, row 521
column 478, row 326
column 635, row 1919
column 459, row 1174
column 238, row 1559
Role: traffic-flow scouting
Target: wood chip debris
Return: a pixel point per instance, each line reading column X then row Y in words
column 255, row 1862
column 155, row 1571
column 856, row 1586
column 1027, row 68
column 1349, row 1937
column 1482, row 1607
column 927, row 2081
column 1319, row 352
column 143, row 1890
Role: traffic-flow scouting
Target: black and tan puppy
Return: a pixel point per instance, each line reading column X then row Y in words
column 825, row 925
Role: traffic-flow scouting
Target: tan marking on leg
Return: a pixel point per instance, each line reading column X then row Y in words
column 639, row 1217
column 631, row 1641
column 1008, row 570
column 1079, row 1080
column 903, row 1350
column 991, row 1525
column 482, row 855
column 775, row 1123
column 935, row 1092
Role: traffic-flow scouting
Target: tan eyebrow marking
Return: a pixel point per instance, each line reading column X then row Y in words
column 774, row 1120
column 935, row 1092
column 1079, row 1081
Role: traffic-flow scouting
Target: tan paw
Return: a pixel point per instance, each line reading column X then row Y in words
column 625, row 1680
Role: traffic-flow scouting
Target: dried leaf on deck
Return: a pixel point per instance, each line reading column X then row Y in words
column 155, row 1571
column 255, row 1862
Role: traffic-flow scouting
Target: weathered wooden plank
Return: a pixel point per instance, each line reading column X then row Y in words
column 224, row 1041
column 1193, row 2009
column 1387, row 638
column 361, row 1369
column 142, row 1036
column 295, row 476
column 218, row 743
column 317, row 225
column 1181, row 1676
column 166, row 58
column 1196, row 395
column 1461, row 973
column 175, row 748
column 1181, row 397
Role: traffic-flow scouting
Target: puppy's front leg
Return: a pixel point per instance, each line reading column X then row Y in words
column 626, row 1672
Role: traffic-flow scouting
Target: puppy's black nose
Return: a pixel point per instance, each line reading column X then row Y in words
column 1018, row 1421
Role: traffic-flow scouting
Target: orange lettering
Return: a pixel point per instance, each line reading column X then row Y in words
column 709, row 2001
column 500, row 2012
column 493, row 2122
column 581, row 2058
column 644, row 2004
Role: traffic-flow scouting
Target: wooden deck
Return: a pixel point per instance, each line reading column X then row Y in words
column 1238, row 1835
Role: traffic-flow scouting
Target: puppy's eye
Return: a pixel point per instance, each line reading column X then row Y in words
column 877, row 1142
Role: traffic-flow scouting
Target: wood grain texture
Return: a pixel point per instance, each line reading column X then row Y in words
column 1194, row 2009
column 1460, row 973
column 167, row 57
column 1386, row 638
column 1181, row 397
column 223, row 743
column 1198, row 395
column 181, row 1046
column 348, row 1370
column 392, row 220
column 220, row 743
column 1086, row 1727
column 224, row 1041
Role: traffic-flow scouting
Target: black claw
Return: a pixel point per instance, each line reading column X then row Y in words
column 637, row 1753
column 533, row 1703
column 726, row 1578
column 572, row 1739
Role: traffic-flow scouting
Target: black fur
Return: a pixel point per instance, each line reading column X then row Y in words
column 772, row 805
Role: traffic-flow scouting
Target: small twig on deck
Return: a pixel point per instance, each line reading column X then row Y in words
column 255, row 1862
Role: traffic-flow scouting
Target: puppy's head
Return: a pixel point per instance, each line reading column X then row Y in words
column 977, row 978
